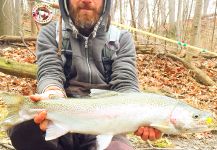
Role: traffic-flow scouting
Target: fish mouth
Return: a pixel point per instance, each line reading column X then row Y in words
column 213, row 125
column 209, row 123
column 194, row 130
column 201, row 128
column 205, row 125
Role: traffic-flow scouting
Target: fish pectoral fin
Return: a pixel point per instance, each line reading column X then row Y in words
column 103, row 141
column 161, row 127
column 55, row 130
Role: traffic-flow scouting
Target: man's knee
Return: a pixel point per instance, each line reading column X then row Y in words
column 27, row 135
column 120, row 143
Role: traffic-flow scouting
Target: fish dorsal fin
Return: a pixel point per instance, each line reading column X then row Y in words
column 98, row 93
column 55, row 130
column 103, row 141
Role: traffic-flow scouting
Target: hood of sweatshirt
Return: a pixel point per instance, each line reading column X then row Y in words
column 101, row 25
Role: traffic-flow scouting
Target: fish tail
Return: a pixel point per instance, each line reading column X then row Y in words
column 10, row 105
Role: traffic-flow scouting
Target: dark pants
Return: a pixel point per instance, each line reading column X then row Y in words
column 28, row 136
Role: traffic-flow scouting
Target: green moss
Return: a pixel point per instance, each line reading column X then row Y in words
column 162, row 143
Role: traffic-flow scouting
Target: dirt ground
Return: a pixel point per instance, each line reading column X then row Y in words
column 181, row 142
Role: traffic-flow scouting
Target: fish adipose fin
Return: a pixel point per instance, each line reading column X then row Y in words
column 55, row 130
column 103, row 141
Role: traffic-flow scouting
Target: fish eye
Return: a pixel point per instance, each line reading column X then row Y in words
column 195, row 116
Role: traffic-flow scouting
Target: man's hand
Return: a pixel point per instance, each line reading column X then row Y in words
column 41, row 117
column 148, row 133
column 51, row 92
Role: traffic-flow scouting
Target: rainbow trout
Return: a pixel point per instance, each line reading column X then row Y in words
column 108, row 113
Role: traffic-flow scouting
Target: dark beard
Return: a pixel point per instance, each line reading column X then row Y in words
column 84, row 23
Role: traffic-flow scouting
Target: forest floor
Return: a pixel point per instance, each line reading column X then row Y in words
column 157, row 73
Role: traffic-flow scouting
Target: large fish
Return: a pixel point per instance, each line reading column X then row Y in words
column 108, row 113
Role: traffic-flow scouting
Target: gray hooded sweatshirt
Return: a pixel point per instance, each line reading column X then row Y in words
column 86, row 69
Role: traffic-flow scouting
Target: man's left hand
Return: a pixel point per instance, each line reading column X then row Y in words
column 148, row 133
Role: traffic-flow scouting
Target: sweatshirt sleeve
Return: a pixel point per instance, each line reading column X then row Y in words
column 50, row 66
column 124, row 75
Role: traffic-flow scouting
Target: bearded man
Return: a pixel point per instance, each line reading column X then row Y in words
column 80, row 68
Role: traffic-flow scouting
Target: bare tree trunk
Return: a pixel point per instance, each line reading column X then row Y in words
column 133, row 17
column 190, row 9
column 16, row 17
column 121, row 18
column 132, row 14
column 113, row 9
column 10, row 17
column 126, row 9
column 172, row 16
column 148, row 13
column 185, row 9
column 155, row 14
column 178, row 23
column 33, row 25
column 205, row 7
column 214, row 28
column 134, row 6
column 186, row 17
column 195, row 38
column 141, row 14
column 6, row 24
column 134, row 10
column 163, row 11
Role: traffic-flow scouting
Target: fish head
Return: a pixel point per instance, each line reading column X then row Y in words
column 187, row 119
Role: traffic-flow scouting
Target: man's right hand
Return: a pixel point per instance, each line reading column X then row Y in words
column 51, row 92
column 41, row 117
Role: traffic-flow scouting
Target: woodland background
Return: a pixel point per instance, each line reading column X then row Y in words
column 176, row 53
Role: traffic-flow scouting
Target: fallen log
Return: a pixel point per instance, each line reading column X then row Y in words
column 18, row 69
column 7, row 38
column 200, row 75
column 29, row 70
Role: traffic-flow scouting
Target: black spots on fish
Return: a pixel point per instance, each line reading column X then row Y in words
column 78, row 108
column 87, row 108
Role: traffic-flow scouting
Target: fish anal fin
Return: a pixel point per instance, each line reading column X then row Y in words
column 55, row 130
column 103, row 141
